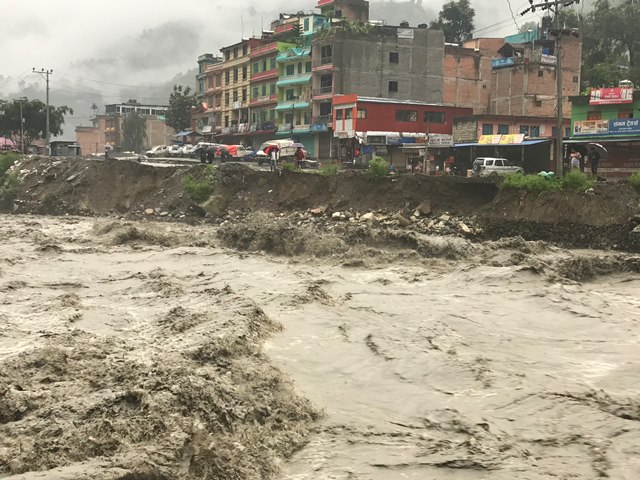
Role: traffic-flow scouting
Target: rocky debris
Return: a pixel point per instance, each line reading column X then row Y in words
column 367, row 217
column 424, row 208
column 149, row 211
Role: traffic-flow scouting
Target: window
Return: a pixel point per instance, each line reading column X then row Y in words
column 489, row 163
column 538, row 103
column 434, row 117
column 289, row 94
column 256, row 92
column 406, row 115
column 348, row 113
column 227, row 77
column 226, row 120
column 503, row 129
column 393, row 86
column 325, row 108
column 244, row 94
column 272, row 114
column 244, row 72
column 290, row 70
column 498, row 163
column 326, row 83
column 235, row 95
column 235, row 52
column 245, row 49
column 535, row 131
column 272, row 89
column 264, row 66
column 307, row 67
column 235, row 75
column 394, row 57
column 326, row 54
column 227, row 55
column 299, row 68
column 264, row 89
column 625, row 114
column 487, row 129
column 524, row 129
column 306, row 24
column 273, row 63
column 218, row 100
column 594, row 115
column 226, row 99
column 362, row 113
column 567, row 131
column 575, row 79
column 339, row 114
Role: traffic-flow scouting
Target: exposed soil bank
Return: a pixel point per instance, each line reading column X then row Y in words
column 603, row 219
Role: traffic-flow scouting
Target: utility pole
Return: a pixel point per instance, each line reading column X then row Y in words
column 45, row 74
column 554, row 6
column 22, row 100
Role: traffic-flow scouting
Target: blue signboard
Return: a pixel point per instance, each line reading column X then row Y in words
column 624, row 126
column 502, row 62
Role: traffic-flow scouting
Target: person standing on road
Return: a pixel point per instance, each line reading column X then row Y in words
column 274, row 154
column 594, row 160
column 575, row 160
column 299, row 156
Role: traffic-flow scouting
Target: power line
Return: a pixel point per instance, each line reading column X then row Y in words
column 512, row 15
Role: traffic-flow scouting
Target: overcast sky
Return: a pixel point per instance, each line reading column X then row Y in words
column 98, row 49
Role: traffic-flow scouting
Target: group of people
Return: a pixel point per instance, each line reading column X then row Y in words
column 274, row 155
column 577, row 162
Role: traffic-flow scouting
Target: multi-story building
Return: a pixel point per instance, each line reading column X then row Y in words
column 608, row 116
column 235, row 77
column 398, row 130
column 108, row 128
column 204, row 61
column 264, row 95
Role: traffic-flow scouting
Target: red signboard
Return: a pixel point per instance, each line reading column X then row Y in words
column 610, row 96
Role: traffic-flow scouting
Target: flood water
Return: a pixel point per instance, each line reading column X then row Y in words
column 448, row 370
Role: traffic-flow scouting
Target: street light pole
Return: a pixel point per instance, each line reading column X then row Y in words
column 45, row 74
column 293, row 114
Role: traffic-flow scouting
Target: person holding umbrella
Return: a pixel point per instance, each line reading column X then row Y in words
column 594, row 160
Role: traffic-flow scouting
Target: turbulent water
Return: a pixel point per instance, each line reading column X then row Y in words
column 476, row 368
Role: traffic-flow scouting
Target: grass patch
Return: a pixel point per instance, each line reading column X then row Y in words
column 574, row 180
column 289, row 167
column 8, row 190
column 378, row 167
column 329, row 170
column 634, row 180
column 577, row 181
column 198, row 190
column 529, row 183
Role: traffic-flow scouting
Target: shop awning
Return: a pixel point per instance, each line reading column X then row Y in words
column 293, row 81
column 295, row 106
column 603, row 139
column 522, row 144
column 184, row 133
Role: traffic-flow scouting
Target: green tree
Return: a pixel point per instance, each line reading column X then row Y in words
column 34, row 113
column 526, row 26
column 134, row 132
column 456, row 21
column 181, row 101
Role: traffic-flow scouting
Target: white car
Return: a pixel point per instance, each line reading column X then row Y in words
column 173, row 151
column 490, row 166
column 157, row 151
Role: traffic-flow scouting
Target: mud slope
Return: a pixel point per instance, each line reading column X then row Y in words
column 601, row 219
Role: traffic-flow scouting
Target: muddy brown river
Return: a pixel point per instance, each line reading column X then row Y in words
column 468, row 369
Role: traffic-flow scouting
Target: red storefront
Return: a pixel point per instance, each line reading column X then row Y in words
column 397, row 130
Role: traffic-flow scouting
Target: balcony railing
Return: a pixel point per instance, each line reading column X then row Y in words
column 326, row 60
column 323, row 90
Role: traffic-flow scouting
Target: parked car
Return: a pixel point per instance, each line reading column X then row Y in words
column 490, row 166
column 157, row 151
column 200, row 150
column 172, row 151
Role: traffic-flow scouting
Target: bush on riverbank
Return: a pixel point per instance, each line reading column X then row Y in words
column 574, row 181
column 634, row 180
column 378, row 167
